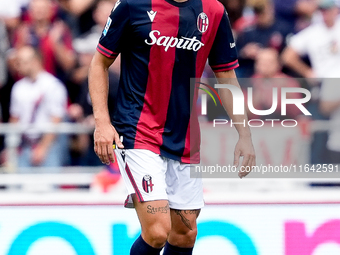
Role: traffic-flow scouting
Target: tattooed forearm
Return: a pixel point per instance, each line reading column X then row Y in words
column 153, row 210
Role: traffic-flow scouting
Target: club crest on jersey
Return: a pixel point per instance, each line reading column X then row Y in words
column 202, row 22
column 107, row 26
column 147, row 184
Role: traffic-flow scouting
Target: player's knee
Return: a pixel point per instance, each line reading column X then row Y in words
column 158, row 238
column 157, row 235
column 190, row 237
column 186, row 238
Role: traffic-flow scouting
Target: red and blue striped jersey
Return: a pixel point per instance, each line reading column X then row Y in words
column 164, row 43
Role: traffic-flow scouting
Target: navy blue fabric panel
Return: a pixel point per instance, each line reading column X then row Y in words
column 175, row 129
column 223, row 50
column 135, row 55
column 113, row 35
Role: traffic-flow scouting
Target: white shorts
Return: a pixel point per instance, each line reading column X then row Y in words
column 153, row 177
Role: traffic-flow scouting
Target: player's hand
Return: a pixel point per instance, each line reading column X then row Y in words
column 244, row 148
column 105, row 135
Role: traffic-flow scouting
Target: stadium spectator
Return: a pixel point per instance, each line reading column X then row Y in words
column 1, row 138
column 234, row 9
column 10, row 12
column 4, row 46
column 266, row 32
column 268, row 76
column 82, row 152
column 81, row 111
column 321, row 43
column 330, row 105
column 52, row 37
column 295, row 13
column 86, row 44
column 78, row 14
column 38, row 99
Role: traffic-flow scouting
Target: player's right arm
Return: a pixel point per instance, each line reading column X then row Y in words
column 110, row 45
column 105, row 134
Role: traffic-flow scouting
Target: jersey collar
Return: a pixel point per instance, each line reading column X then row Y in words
column 178, row 4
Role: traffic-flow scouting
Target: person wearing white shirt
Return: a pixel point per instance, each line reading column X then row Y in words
column 37, row 99
column 321, row 42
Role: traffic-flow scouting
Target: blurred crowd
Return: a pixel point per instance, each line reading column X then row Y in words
column 46, row 47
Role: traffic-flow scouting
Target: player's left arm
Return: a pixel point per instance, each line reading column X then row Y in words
column 244, row 147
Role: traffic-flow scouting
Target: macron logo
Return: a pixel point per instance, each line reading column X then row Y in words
column 152, row 15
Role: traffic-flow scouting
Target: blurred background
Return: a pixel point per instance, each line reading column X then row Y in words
column 56, row 197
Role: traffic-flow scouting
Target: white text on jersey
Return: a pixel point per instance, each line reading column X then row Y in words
column 171, row 42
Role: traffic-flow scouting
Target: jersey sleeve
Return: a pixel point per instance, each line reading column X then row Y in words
column 112, row 39
column 223, row 54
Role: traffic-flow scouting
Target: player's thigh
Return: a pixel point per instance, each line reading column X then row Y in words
column 183, row 228
column 154, row 216
column 184, row 221
column 184, row 192
column 143, row 173
column 185, row 196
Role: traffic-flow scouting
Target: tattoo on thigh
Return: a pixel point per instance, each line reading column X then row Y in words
column 182, row 214
column 153, row 210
